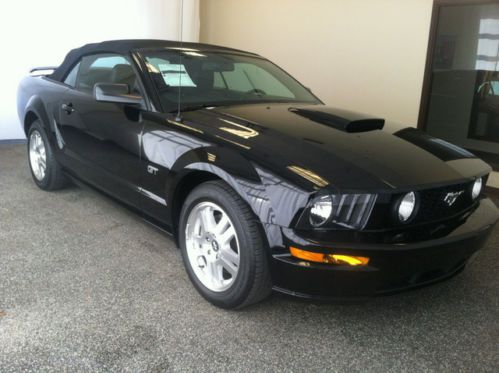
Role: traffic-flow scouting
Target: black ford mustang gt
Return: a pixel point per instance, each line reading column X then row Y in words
column 262, row 185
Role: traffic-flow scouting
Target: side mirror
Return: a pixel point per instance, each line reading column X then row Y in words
column 118, row 93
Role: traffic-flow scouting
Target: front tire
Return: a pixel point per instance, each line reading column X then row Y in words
column 46, row 172
column 222, row 247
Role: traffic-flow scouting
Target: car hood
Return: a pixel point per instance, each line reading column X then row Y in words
column 317, row 146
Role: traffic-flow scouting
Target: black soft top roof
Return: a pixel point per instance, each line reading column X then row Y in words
column 125, row 47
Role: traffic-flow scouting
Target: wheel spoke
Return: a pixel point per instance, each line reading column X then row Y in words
column 222, row 225
column 196, row 241
column 41, row 161
column 227, row 254
column 214, row 273
column 36, row 165
column 219, row 271
column 229, row 267
column 207, row 219
column 227, row 236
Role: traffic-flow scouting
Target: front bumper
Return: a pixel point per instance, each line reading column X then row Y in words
column 392, row 266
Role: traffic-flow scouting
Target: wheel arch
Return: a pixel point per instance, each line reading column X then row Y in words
column 29, row 119
column 212, row 163
column 184, row 186
column 35, row 110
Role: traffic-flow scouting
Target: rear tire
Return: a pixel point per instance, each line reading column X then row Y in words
column 46, row 171
column 227, row 263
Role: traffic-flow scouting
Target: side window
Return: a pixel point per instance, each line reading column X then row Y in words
column 71, row 77
column 105, row 68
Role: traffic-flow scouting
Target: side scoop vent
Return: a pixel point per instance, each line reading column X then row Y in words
column 342, row 120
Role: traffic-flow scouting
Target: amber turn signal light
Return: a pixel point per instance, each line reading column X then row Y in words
column 329, row 258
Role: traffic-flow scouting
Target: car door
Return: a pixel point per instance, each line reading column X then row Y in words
column 101, row 139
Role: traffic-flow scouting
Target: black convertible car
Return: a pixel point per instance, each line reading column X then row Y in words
column 262, row 185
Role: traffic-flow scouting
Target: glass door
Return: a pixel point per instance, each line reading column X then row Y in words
column 462, row 103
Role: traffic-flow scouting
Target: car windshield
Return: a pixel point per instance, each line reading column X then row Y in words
column 217, row 79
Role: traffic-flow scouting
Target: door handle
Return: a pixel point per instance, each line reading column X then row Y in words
column 68, row 108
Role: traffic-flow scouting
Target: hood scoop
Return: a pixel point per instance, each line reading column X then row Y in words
column 343, row 120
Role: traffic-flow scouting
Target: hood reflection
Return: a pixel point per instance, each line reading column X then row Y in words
column 309, row 175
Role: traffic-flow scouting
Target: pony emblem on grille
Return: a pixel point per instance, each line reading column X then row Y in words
column 451, row 197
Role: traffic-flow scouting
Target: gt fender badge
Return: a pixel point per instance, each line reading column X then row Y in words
column 152, row 170
column 451, row 197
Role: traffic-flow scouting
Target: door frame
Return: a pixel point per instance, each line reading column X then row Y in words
column 426, row 89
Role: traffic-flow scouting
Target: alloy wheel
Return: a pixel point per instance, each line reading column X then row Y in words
column 37, row 155
column 212, row 246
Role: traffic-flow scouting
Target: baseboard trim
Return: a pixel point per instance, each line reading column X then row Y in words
column 13, row 142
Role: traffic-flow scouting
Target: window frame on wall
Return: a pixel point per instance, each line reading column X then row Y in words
column 430, row 55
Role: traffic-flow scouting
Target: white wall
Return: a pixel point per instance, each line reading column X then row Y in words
column 37, row 33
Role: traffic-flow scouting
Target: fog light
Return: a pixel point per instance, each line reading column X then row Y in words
column 350, row 260
column 329, row 258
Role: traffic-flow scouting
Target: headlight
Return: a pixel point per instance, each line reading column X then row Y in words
column 406, row 207
column 341, row 210
column 477, row 188
column 321, row 211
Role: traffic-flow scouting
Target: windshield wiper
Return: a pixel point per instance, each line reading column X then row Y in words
column 193, row 107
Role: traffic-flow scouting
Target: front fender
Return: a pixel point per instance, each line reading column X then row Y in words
column 227, row 165
column 273, row 200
